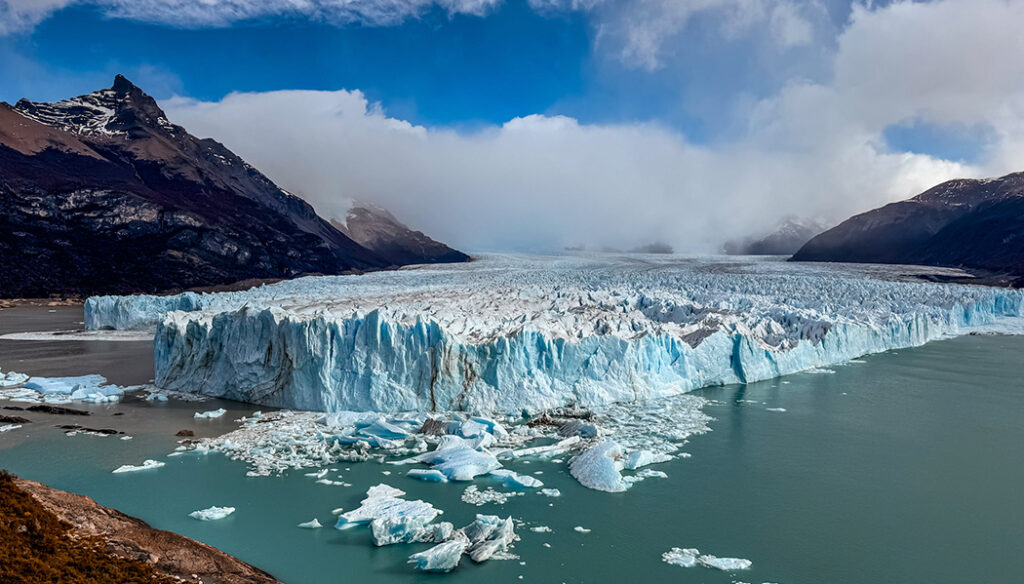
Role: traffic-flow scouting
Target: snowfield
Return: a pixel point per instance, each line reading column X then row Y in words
column 508, row 334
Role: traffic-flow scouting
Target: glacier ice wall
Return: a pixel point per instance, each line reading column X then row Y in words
column 509, row 334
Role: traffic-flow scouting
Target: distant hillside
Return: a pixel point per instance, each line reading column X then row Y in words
column 379, row 231
column 785, row 240
column 102, row 194
column 965, row 223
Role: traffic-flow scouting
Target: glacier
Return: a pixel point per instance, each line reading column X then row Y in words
column 512, row 334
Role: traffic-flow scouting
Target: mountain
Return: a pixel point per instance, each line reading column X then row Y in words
column 793, row 233
column 102, row 194
column 379, row 231
column 965, row 223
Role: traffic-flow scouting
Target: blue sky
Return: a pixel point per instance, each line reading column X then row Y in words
column 537, row 123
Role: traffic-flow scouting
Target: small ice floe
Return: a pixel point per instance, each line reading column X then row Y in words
column 314, row 524
column 650, row 473
column 146, row 465
column 87, row 388
column 9, row 427
column 551, row 492
column 429, row 475
column 690, row 557
column 393, row 519
column 540, row 529
column 819, row 371
column 317, row 475
column 474, row 496
column 581, row 529
column 12, row 379
column 640, row 458
column 461, row 459
column 514, row 480
column 212, row 513
column 210, row 414
column 775, row 409
column 598, row 467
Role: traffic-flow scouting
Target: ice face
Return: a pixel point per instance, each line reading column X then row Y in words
column 599, row 466
column 212, row 513
column 507, row 334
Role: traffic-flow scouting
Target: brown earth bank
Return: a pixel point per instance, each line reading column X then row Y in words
column 50, row 536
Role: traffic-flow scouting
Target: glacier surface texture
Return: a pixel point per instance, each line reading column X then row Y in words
column 529, row 333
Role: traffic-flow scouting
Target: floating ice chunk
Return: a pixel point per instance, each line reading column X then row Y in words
column 514, row 480
column 146, row 465
column 724, row 564
column 89, row 388
column 598, row 467
column 540, row 529
column 9, row 427
column 489, row 535
column 212, row 513
column 210, row 414
column 690, row 557
column 443, row 557
column 459, row 459
column 382, row 429
column 392, row 529
column 428, row 475
column 551, row 492
column 314, row 524
column 549, row 450
column 775, row 409
column 474, row 496
column 649, row 473
column 639, row 458
column 581, row 529
column 687, row 558
column 12, row 379
column 384, row 501
column 472, row 429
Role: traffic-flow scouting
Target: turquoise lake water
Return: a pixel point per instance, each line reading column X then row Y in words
column 908, row 467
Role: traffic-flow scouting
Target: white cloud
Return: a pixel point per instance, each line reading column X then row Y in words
column 20, row 15
column 814, row 148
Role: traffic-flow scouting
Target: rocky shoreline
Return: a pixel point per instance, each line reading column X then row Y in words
column 111, row 537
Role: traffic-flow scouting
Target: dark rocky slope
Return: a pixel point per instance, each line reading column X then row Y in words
column 964, row 223
column 379, row 231
column 102, row 194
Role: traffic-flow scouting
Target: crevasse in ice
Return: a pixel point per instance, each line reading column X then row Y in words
column 509, row 333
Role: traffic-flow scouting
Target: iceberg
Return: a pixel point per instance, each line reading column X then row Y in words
column 9, row 427
column 690, row 557
column 443, row 557
column 210, row 414
column 640, row 458
column 212, row 513
column 459, row 459
column 429, row 475
column 12, row 379
column 384, row 502
column 87, row 388
column 724, row 564
column 489, row 535
column 514, row 480
column 146, row 465
column 510, row 334
column 686, row 558
column 599, row 466
column 314, row 524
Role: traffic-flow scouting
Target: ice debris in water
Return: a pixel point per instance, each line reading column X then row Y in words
column 474, row 496
column 210, row 414
column 393, row 519
column 554, row 330
column 690, row 557
column 428, row 475
column 443, row 557
column 314, row 524
column 212, row 513
column 598, row 467
column 514, row 480
column 59, row 390
column 9, row 427
column 551, row 492
column 639, row 458
column 540, row 529
column 12, row 379
column 146, row 465
column 461, row 459
column 581, row 529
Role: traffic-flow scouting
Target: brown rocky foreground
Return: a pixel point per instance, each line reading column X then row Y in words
column 54, row 536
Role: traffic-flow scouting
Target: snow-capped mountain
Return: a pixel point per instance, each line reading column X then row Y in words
column 101, row 193
column 967, row 223
column 378, row 230
column 790, row 236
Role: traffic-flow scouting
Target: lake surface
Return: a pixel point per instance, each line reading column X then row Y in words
column 904, row 468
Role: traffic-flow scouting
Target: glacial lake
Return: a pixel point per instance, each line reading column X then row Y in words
column 906, row 467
